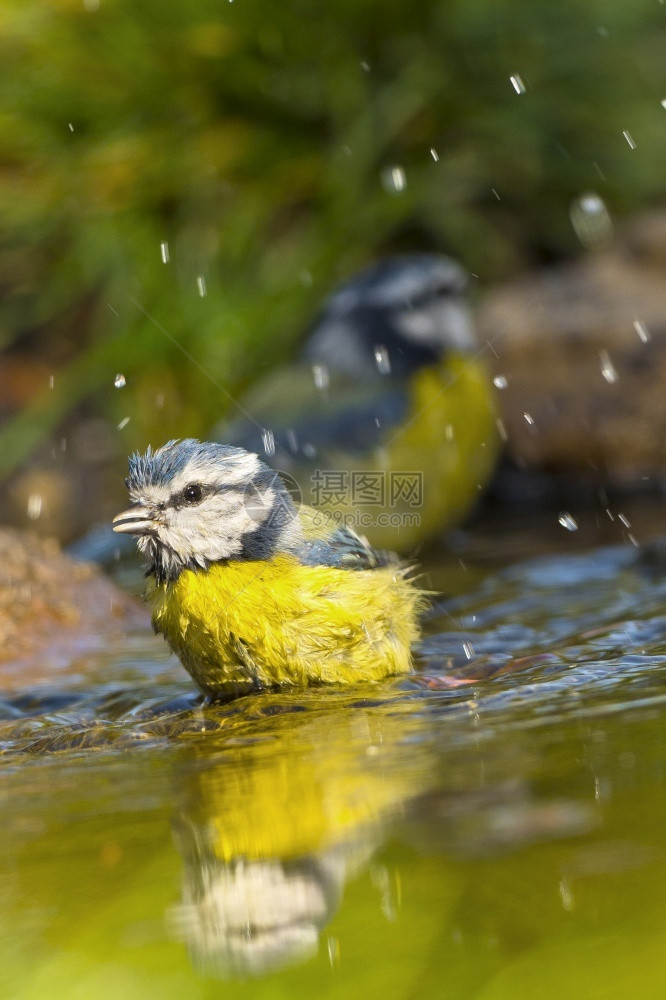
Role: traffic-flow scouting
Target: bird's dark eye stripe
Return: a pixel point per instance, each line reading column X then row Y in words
column 194, row 493
column 420, row 299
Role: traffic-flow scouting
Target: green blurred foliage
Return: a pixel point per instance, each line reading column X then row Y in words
column 257, row 141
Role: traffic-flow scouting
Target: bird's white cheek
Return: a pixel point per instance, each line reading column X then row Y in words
column 215, row 534
column 179, row 536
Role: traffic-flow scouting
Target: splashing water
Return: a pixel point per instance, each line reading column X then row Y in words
column 590, row 219
column 268, row 441
column 35, row 505
column 608, row 369
column 321, row 376
column 394, row 179
column 642, row 331
column 382, row 359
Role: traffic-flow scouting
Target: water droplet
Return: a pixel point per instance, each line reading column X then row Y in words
column 500, row 382
column 529, row 418
column 629, row 138
column 321, row 376
column 382, row 359
column 51, row 381
column 434, row 154
column 567, row 896
column 201, row 285
column 120, row 381
column 468, row 650
column 608, row 369
column 448, row 432
column 567, row 521
column 70, row 126
column 365, row 66
column 164, row 251
column 394, row 179
column 501, row 430
column 590, row 219
column 663, row 103
column 389, row 888
column 517, row 83
column 333, row 948
column 496, row 194
column 642, row 331
column 625, row 520
column 123, row 423
column 268, row 441
column 34, row 508
column 309, row 450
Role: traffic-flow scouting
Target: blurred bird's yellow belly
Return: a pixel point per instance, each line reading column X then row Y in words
column 451, row 437
column 242, row 624
column 429, row 470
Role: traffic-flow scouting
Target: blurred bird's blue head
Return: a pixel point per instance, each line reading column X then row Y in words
column 402, row 312
column 194, row 503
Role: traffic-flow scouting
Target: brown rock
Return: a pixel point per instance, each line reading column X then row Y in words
column 54, row 611
column 583, row 351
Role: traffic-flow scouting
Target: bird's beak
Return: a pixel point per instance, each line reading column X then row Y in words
column 136, row 520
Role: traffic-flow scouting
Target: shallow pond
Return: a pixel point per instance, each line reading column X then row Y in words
column 493, row 828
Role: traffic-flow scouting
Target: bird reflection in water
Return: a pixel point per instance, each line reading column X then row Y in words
column 276, row 816
column 286, row 801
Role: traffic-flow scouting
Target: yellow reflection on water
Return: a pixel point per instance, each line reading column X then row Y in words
column 273, row 825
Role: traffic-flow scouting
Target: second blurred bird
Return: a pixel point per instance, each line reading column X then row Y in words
column 386, row 423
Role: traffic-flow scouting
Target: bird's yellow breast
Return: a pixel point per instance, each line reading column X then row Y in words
column 244, row 624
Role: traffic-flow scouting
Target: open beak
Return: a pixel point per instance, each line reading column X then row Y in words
column 136, row 520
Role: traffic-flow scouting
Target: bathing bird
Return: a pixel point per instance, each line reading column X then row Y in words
column 252, row 590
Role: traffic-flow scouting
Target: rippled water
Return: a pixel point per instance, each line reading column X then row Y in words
column 491, row 828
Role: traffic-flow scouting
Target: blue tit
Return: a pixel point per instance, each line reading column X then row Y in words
column 387, row 422
column 252, row 591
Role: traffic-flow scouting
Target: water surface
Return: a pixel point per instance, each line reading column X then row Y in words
column 490, row 828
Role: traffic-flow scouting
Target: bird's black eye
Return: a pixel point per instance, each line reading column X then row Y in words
column 192, row 493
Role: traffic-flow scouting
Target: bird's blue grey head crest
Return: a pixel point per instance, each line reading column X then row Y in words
column 400, row 281
column 406, row 310
column 195, row 503
column 167, row 465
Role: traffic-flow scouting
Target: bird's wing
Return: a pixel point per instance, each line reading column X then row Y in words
column 329, row 544
column 305, row 419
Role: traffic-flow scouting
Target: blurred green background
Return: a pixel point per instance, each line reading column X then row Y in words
column 182, row 183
